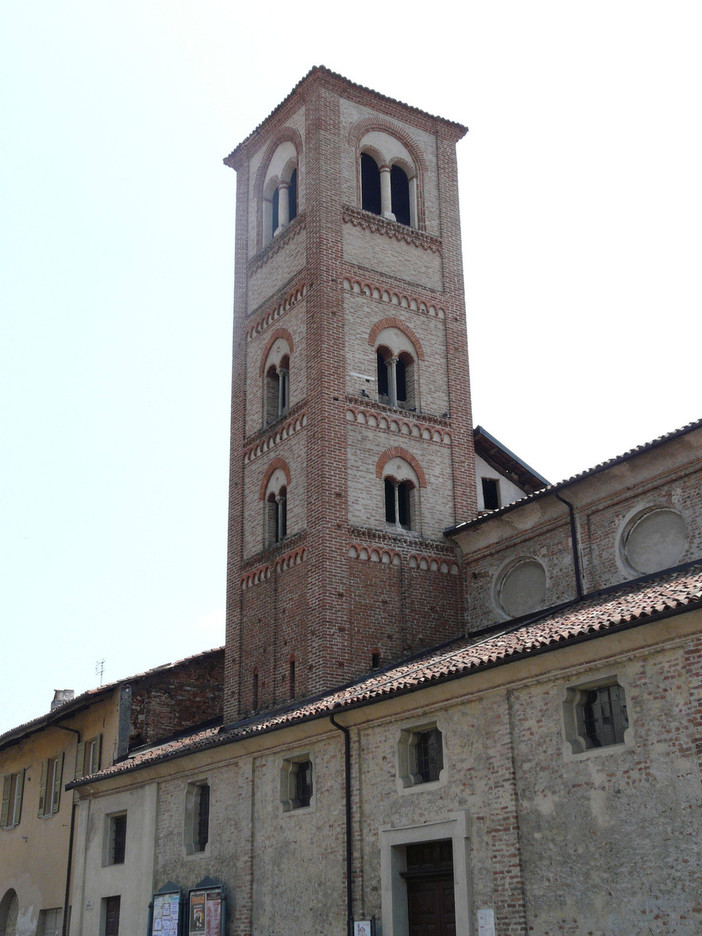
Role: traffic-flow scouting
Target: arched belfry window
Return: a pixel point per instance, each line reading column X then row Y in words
column 388, row 179
column 402, row 477
column 275, row 369
column 280, row 191
column 274, row 494
column 397, row 369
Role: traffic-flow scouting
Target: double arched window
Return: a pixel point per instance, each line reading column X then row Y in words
column 402, row 478
column 386, row 191
column 396, row 358
column 279, row 189
column 274, row 493
column 275, row 370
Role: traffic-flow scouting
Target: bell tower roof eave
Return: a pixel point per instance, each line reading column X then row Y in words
column 320, row 73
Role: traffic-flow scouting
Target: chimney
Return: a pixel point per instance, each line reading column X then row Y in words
column 61, row 696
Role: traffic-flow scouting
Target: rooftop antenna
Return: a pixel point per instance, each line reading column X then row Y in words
column 100, row 669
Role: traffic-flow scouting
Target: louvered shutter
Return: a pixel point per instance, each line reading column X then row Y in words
column 20, row 794
column 57, row 783
column 6, row 784
column 42, row 786
column 80, row 756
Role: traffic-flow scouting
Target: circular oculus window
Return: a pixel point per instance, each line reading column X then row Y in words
column 521, row 588
column 654, row 540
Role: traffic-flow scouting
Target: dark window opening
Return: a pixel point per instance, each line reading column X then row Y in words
column 398, row 505
column 277, row 517
column 276, row 212
column 401, row 381
column 370, row 184
column 292, row 678
column 491, row 493
column 119, row 839
column 203, row 815
column 400, row 195
column 429, row 755
column 292, row 195
column 375, row 660
column 604, row 716
column 303, row 784
column 383, row 384
column 255, row 690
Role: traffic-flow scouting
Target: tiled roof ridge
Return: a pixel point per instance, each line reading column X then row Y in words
column 588, row 472
column 322, row 69
column 632, row 603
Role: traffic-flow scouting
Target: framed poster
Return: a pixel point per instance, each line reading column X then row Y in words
column 165, row 915
column 206, row 912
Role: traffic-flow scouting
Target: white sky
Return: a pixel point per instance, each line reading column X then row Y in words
column 581, row 200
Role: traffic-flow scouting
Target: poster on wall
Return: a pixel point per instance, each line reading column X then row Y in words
column 205, row 912
column 166, row 914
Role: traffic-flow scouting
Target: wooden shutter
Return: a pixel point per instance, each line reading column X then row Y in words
column 97, row 752
column 20, row 794
column 80, row 756
column 42, row 786
column 6, row 784
column 58, row 774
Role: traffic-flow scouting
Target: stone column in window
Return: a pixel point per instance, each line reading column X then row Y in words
column 385, row 194
column 283, row 206
column 282, row 391
column 413, row 201
column 392, row 380
column 281, row 517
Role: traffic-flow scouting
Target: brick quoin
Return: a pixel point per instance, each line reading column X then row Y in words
column 314, row 596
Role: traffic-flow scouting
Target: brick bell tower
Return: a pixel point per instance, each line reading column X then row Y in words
column 351, row 431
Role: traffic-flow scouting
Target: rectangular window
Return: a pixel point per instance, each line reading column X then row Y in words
column 116, row 839
column 420, row 755
column 110, row 916
column 197, row 817
column 50, row 922
column 12, row 788
column 595, row 715
column 491, row 493
column 88, row 757
column 296, row 785
column 50, row 786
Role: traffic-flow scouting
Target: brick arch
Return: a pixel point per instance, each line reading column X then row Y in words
column 285, row 135
column 376, row 154
column 278, row 333
column 392, row 322
column 399, row 452
column 274, row 465
column 362, row 127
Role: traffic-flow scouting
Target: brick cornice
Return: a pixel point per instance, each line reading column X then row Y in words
column 400, row 232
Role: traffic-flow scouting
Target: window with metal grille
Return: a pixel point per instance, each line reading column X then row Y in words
column 117, row 838
column 296, row 784
column 595, row 715
column 420, row 755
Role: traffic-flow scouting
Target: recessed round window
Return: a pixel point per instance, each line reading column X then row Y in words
column 521, row 587
column 654, row 540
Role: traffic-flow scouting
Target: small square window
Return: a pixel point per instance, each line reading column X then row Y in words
column 296, row 786
column 197, row 817
column 420, row 755
column 116, row 839
column 595, row 715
